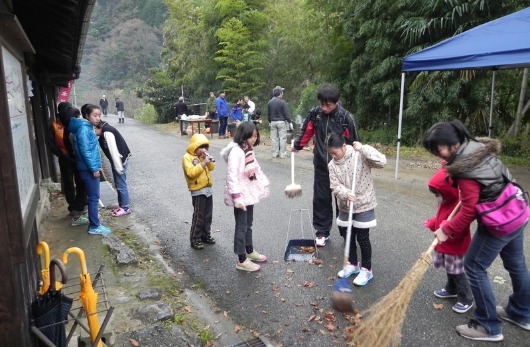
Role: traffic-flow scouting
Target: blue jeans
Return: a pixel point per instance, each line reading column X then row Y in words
column 482, row 252
column 120, row 182
column 223, row 121
column 92, row 192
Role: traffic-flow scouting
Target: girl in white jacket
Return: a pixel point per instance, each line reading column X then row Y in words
column 245, row 186
column 341, row 169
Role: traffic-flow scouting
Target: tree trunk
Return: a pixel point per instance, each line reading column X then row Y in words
column 519, row 115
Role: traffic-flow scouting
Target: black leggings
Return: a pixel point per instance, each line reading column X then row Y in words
column 362, row 237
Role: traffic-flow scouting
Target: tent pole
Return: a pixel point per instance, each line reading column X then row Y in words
column 401, row 99
column 490, row 129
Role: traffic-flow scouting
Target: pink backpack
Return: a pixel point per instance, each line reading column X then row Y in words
column 507, row 213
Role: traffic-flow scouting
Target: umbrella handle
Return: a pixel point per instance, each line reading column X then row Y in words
column 42, row 247
column 80, row 254
column 62, row 268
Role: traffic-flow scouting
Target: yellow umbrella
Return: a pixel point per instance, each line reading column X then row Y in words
column 42, row 247
column 87, row 296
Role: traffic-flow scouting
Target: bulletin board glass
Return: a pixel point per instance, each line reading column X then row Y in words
column 19, row 127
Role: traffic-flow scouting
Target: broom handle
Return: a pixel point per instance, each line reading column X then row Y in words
column 292, row 162
column 453, row 213
column 350, row 215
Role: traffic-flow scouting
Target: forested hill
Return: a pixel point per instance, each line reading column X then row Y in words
column 123, row 42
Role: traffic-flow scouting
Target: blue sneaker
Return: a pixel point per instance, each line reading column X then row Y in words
column 363, row 277
column 443, row 294
column 99, row 230
column 461, row 308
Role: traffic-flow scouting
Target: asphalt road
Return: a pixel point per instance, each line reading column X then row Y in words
column 279, row 300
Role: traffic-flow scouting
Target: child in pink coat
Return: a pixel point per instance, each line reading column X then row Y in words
column 450, row 254
column 245, row 186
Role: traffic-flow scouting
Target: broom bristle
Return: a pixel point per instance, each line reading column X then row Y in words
column 293, row 190
column 384, row 320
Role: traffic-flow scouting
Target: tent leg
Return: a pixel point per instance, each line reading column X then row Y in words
column 401, row 101
column 490, row 128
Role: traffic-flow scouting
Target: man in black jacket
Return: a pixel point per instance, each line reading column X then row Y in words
column 329, row 117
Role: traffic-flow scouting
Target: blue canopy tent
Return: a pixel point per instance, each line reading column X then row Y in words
column 503, row 43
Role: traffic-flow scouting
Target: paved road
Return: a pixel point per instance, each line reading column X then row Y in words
column 274, row 301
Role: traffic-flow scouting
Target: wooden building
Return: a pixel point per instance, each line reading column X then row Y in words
column 41, row 44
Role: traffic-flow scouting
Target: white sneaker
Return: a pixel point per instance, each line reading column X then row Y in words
column 348, row 270
column 256, row 257
column 247, row 265
column 321, row 241
column 363, row 277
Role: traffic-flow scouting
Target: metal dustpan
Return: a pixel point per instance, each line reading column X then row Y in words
column 300, row 249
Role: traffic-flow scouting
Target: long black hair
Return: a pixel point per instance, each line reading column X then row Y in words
column 445, row 134
column 244, row 131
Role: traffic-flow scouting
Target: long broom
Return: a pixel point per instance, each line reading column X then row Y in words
column 342, row 292
column 382, row 327
column 293, row 190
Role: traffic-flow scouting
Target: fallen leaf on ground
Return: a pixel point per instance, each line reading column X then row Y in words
column 330, row 327
column 134, row 343
column 308, row 284
column 312, row 317
column 330, row 317
column 316, row 261
column 237, row 328
column 225, row 314
column 438, row 306
column 188, row 309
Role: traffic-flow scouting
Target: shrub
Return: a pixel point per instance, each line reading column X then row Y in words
column 147, row 114
column 516, row 146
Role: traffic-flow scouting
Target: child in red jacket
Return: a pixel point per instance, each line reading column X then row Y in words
column 450, row 254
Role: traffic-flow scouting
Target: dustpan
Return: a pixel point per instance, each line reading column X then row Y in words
column 300, row 249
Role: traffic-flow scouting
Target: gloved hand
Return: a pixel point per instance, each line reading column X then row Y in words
column 291, row 126
column 240, row 203
column 442, row 237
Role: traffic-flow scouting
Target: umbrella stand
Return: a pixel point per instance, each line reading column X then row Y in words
column 89, row 298
column 51, row 310
column 98, row 277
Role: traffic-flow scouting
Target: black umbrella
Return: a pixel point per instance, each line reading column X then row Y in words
column 50, row 310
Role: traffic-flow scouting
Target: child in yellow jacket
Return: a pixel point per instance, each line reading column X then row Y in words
column 197, row 165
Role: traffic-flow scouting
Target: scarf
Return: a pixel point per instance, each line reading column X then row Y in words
column 250, row 162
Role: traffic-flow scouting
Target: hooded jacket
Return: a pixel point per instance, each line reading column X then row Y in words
column 237, row 182
column 320, row 125
column 85, row 145
column 341, row 175
column 196, row 176
column 478, row 173
column 459, row 244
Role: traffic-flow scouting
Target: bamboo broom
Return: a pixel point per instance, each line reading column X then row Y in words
column 382, row 327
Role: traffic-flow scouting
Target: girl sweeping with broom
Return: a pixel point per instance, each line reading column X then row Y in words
column 450, row 254
column 341, row 169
